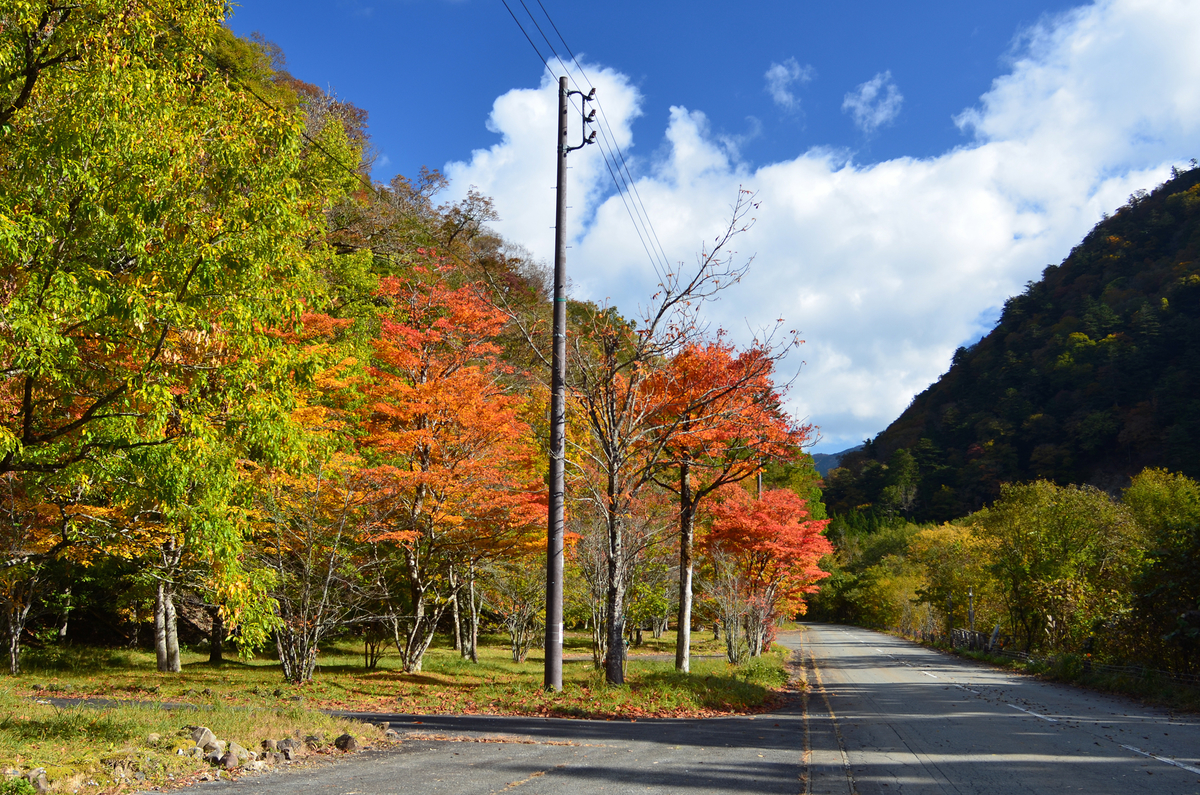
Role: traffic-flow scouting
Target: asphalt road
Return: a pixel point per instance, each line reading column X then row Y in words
column 883, row 716
column 887, row 716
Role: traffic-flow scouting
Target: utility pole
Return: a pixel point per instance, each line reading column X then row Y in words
column 558, row 396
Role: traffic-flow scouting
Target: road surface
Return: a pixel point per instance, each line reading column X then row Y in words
column 887, row 716
column 882, row 716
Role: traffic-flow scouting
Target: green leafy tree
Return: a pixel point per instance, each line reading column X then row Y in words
column 1167, row 590
column 156, row 220
column 1064, row 558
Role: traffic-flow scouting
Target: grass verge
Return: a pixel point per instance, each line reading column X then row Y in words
column 90, row 750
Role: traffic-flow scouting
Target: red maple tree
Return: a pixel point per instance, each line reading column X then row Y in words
column 764, row 554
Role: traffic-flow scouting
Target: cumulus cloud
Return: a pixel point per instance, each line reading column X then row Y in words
column 780, row 78
column 885, row 268
column 874, row 103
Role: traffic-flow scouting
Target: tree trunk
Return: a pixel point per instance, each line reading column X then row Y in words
column 14, row 653
column 687, row 518
column 216, row 638
column 173, row 664
column 474, row 639
column 160, row 625
column 458, row 638
column 614, row 665
column 62, row 628
column 18, row 612
column 297, row 654
column 166, row 636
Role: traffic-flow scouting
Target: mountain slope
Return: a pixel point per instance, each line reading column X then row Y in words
column 1090, row 375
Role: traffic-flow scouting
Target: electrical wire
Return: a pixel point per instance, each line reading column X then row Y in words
column 604, row 117
column 617, row 167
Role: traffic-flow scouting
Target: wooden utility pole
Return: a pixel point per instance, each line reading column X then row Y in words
column 558, row 398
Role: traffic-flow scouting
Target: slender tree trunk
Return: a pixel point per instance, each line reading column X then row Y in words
column 216, row 637
column 687, row 517
column 614, row 670
column 62, row 628
column 18, row 612
column 166, row 636
column 474, row 615
column 14, row 653
column 173, row 664
column 458, row 638
column 160, row 626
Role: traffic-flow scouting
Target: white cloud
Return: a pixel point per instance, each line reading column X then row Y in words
column 780, row 78
column 519, row 171
column 885, row 268
column 874, row 103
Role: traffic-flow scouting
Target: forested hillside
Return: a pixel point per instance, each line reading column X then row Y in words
column 1090, row 375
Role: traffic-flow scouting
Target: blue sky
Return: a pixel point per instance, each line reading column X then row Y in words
column 427, row 71
column 916, row 163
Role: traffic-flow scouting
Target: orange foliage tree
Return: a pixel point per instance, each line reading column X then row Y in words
column 454, row 482
column 725, row 421
column 763, row 554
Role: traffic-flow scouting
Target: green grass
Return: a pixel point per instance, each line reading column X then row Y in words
column 447, row 683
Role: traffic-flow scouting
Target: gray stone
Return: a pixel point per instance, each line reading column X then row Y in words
column 202, row 736
column 346, row 743
column 313, row 743
column 289, row 754
column 37, row 777
column 391, row 734
column 213, row 757
column 270, row 745
column 229, row 761
column 256, row 766
column 241, row 753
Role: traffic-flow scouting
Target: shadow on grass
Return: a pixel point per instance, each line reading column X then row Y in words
column 72, row 724
column 712, row 691
column 75, row 659
column 232, row 663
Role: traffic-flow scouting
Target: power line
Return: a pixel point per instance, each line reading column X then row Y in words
column 623, row 180
column 605, row 124
column 522, row 27
column 617, row 167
